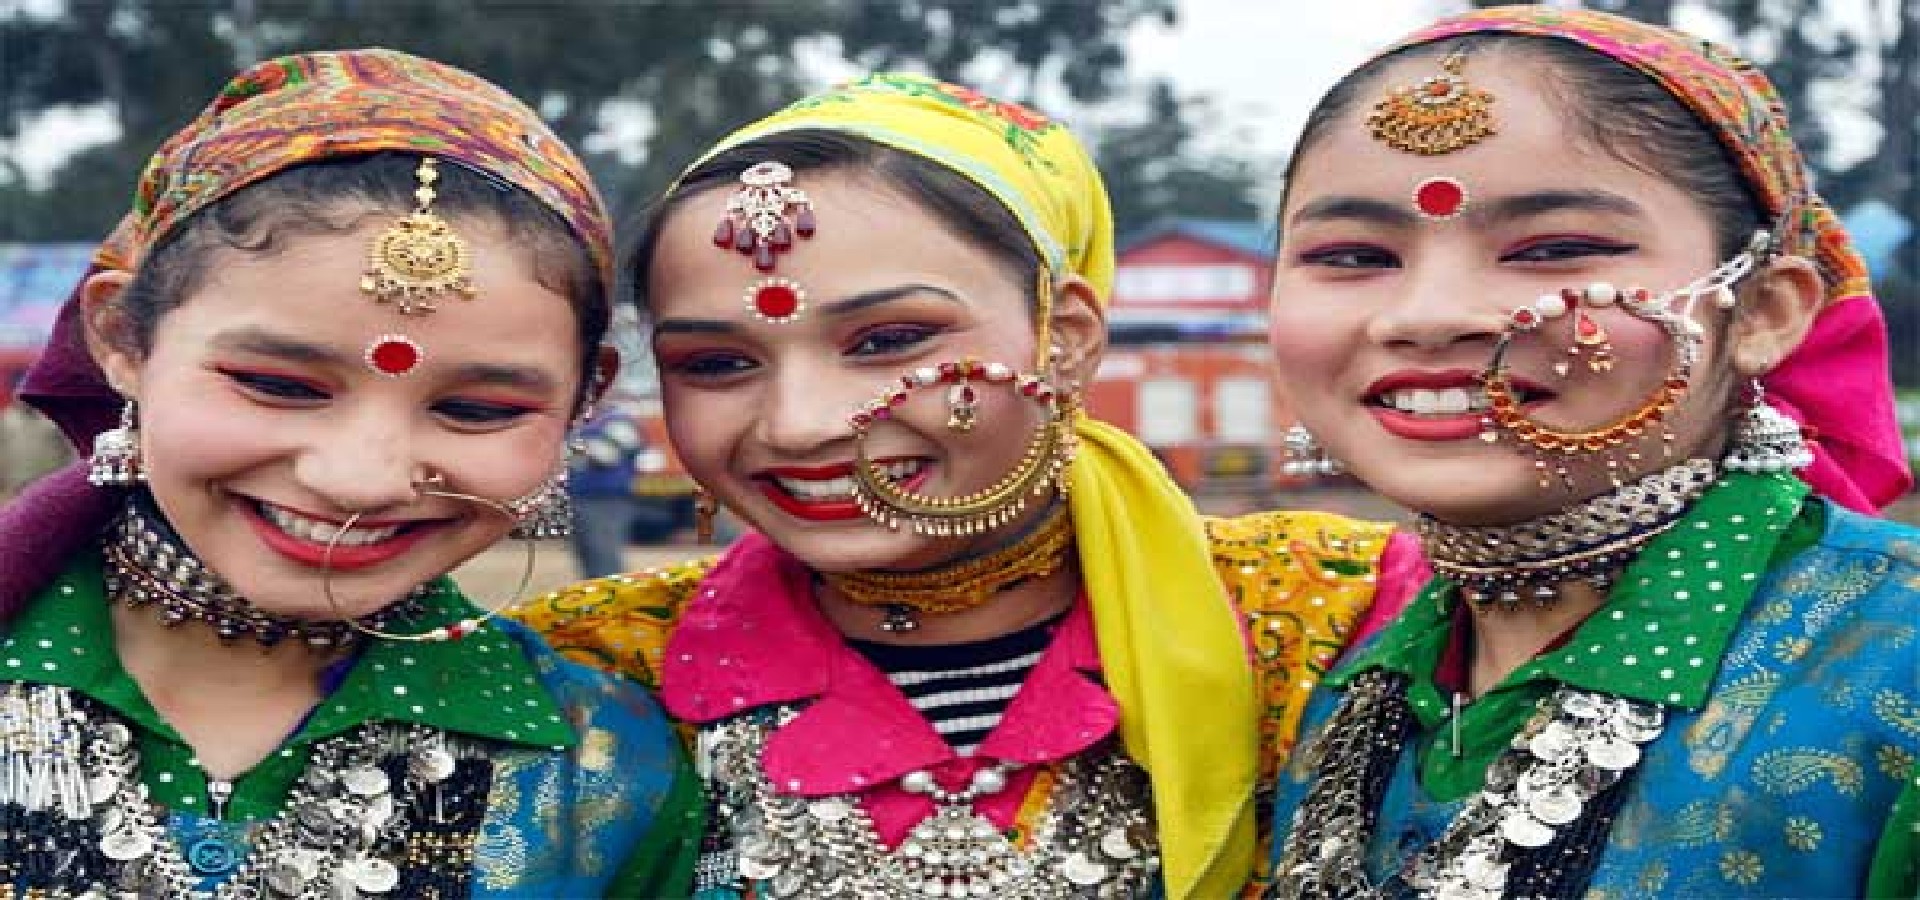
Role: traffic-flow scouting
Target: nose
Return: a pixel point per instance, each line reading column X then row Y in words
column 807, row 407
column 1442, row 306
column 364, row 464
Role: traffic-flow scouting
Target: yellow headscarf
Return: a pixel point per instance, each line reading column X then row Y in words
column 1170, row 642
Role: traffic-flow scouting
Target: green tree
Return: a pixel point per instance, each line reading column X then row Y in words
column 694, row 68
column 1154, row 171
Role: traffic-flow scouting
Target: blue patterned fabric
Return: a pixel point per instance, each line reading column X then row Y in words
column 563, row 824
column 1783, row 783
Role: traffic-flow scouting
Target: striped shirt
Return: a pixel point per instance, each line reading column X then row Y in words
column 962, row 689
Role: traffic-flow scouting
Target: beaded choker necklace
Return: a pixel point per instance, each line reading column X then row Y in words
column 148, row 564
column 1504, row 567
column 965, row 584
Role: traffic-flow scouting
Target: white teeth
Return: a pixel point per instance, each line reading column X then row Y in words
column 831, row 489
column 318, row 532
column 1442, row 402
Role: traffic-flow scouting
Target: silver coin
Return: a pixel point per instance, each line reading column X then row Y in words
column 373, row 875
column 1551, row 743
column 829, row 810
column 101, row 787
column 1615, row 755
column 1557, row 806
column 1116, row 845
column 116, row 735
column 1083, row 870
column 365, row 781
column 433, row 764
column 757, row 868
column 126, row 846
column 1524, row 830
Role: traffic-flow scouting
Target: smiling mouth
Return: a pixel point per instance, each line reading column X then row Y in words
column 841, row 488
column 1434, row 401
column 1446, row 402
column 320, row 531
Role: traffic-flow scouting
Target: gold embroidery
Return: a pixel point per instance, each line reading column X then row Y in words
column 1700, row 823
column 1898, row 710
column 1894, row 762
column 1791, row 771
column 1742, row 867
column 1803, row 834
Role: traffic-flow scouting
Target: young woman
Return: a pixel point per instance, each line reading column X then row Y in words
column 980, row 645
column 333, row 352
column 1550, row 279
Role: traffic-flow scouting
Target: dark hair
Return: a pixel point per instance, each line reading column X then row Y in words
column 965, row 208
column 335, row 195
column 1614, row 107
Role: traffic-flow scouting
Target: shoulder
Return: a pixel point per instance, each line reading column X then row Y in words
column 1264, row 558
column 619, row 623
column 1870, row 559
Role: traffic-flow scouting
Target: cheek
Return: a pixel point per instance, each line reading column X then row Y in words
column 1304, row 345
column 696, row 422
column 216, row 432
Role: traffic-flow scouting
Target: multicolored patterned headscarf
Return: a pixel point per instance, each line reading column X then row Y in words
column 1838, row 383
column 276, row 115
column 1142, row 548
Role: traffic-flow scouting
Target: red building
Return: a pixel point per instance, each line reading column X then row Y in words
column 1188, row 370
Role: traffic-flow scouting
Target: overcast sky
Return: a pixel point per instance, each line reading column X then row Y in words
column 1263, row 63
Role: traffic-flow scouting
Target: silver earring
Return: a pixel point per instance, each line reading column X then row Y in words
column 1766, row 440
column 547, row 513
column 1305, row 456
column 116, row 453
column 544, row 515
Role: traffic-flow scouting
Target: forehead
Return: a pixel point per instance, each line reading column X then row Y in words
column 869, row 236
column 1538, row 142
column 310, row 285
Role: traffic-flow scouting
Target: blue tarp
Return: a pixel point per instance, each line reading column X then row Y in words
column 34, row 280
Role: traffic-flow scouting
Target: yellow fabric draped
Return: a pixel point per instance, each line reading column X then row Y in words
column 1170, row 645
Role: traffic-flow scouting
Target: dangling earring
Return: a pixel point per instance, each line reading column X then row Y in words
column 1765, row 439
column 547, row 513
column 116, row 453
column 705, row 509
column 1305, row 457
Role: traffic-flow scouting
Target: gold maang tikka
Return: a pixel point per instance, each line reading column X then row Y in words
column 1440, row 114
column 420, row 258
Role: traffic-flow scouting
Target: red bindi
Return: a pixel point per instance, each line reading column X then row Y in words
column 1440, row 198
column 776, row 300
column 394, row 355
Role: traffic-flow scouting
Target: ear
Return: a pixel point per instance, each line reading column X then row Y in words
column 1079, row 327
column 110, row 332
column 1775, row 315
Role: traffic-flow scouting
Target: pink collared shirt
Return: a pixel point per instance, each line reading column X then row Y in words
column 754, row 636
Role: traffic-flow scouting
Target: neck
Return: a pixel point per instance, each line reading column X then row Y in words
column 1530, row 582
column 232, row 701
column 1022, row 605
column 1505, row 640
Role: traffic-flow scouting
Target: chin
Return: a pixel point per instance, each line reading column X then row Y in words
column 1470, row 492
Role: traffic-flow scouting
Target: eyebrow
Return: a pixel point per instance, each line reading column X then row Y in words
column 253, row 339
column 522, row 377
column 1504, row 209
column 843, row 307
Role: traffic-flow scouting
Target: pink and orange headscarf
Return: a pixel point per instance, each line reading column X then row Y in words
column 1838, row 383
column 276, row 115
